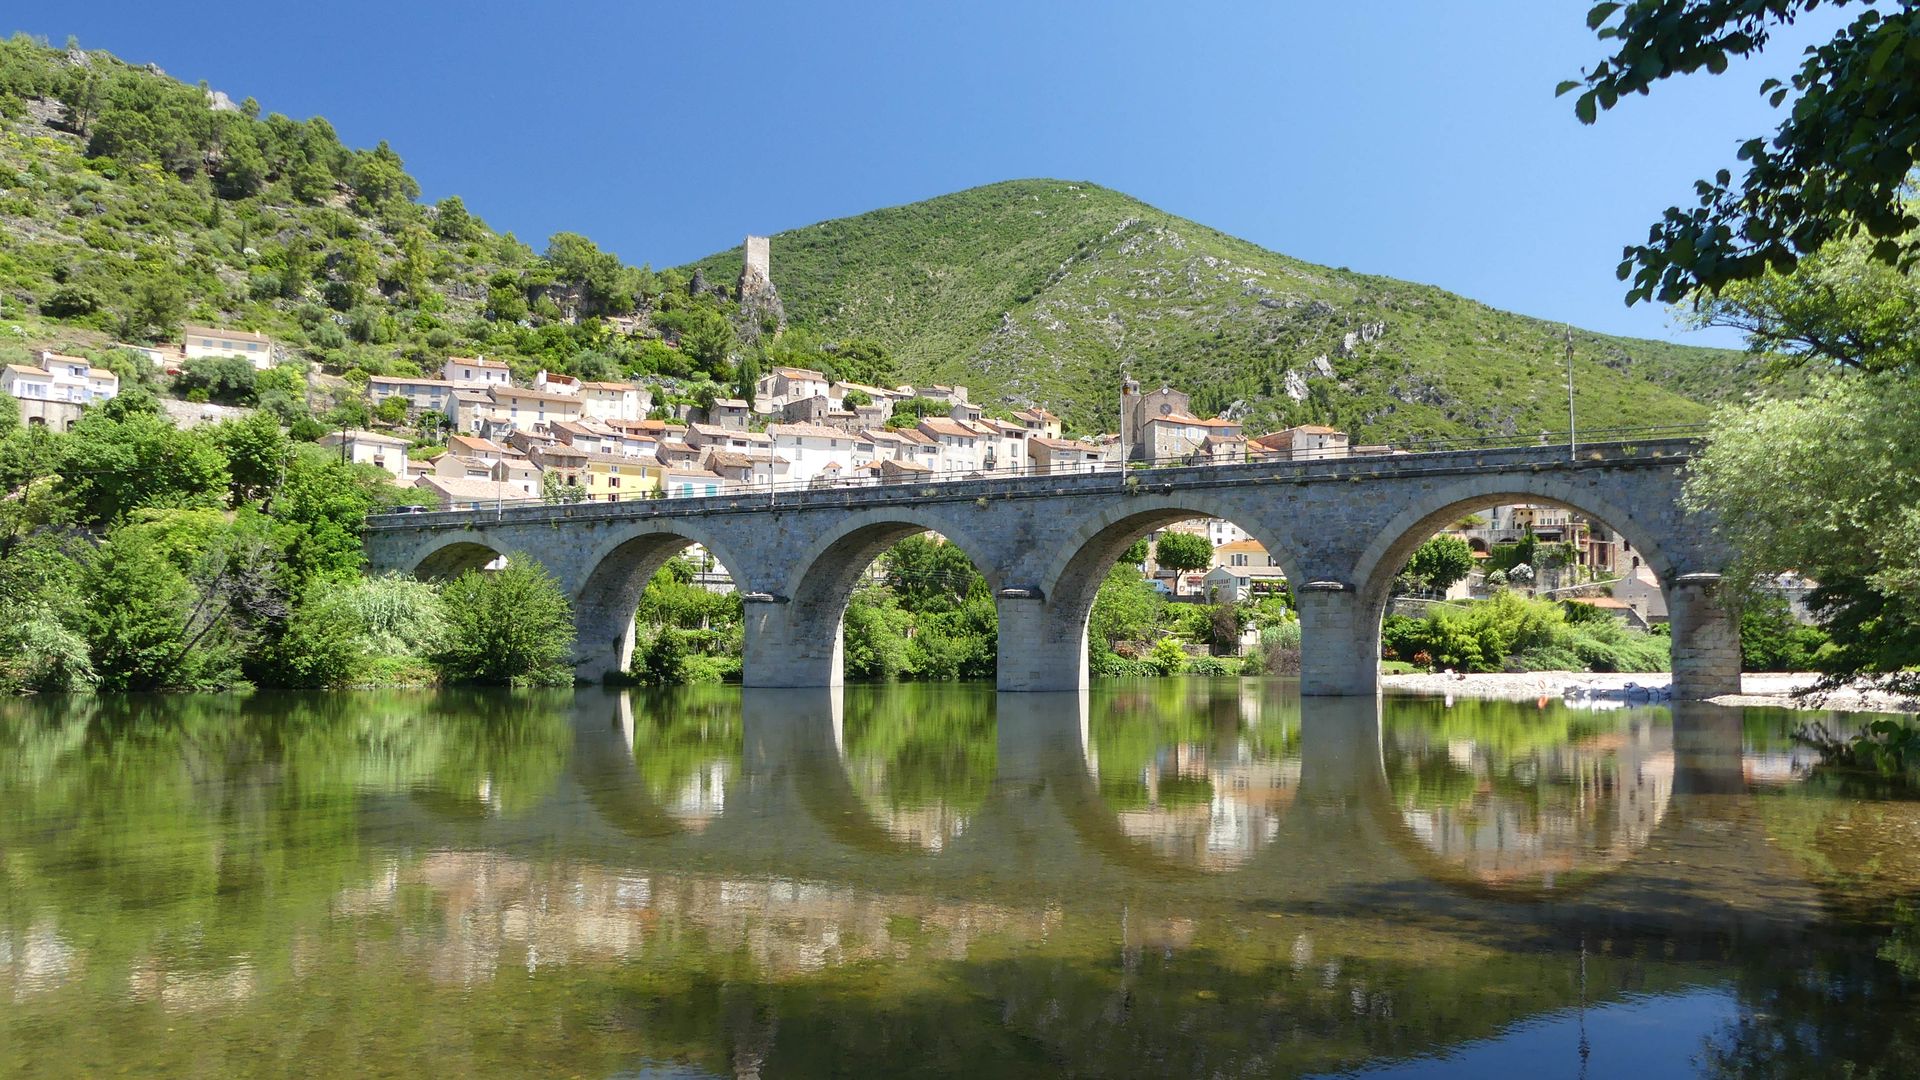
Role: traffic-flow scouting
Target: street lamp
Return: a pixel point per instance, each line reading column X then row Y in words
column 1128, row 390
column 1573, row 441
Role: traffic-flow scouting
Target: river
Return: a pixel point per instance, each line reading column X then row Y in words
column 1183, row 877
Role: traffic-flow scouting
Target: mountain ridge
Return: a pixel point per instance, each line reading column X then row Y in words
column 1053, row 313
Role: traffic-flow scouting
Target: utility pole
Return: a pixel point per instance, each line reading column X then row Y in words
column 1573, row 441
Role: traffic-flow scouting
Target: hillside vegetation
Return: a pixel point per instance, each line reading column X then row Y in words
column 1046, row 291
column 131, row 202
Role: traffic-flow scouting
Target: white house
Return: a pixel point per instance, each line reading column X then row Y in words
column 614, row 400
column 959, row 445
column 197, row 341
column 686, row 483
column 475, row 371
column 811, row 448
column 56, row 395
column 1052, row 456
column 373, row 448
column 419, row 393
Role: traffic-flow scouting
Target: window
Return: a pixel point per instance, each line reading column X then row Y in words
column 613, row 481
column 1239, row 559
column 614, row 497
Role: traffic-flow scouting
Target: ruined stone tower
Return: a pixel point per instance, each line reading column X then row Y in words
column 760, row 307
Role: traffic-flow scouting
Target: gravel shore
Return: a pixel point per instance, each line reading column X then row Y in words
column 1778, row 690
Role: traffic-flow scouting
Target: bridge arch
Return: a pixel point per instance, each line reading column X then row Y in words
column 1425, row 516
column 447, row 557
column 1043, row 639
column 617, row 572
column 794, row 636
column 1706, row 655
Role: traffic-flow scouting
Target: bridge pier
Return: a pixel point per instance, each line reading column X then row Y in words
column 1041, row 647
column 789, row 645
column 1706, row 638
column 1339, row 641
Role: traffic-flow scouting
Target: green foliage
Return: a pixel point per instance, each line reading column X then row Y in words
column 1771, row 639
column 138, row 627
column 1514, row 632
column 1838, row 165
column 116, row 464
column 1828, row 485
column 1839, row 306
column 507, row 626
column 1183, row 552
column 1440, row 562
column 1084, row 279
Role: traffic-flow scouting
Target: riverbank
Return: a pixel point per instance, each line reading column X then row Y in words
column 1779, row 690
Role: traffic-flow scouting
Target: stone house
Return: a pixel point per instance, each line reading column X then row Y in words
column 373, row 448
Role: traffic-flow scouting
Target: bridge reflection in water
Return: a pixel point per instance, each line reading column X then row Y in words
column 1200, row 877
column 1267, row 798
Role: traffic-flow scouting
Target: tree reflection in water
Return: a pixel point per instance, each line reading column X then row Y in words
column 920, row 757
column 1200, row 776
column 599, row 883
column 1514, row 796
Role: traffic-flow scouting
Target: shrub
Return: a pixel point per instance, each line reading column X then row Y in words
column 506, row 626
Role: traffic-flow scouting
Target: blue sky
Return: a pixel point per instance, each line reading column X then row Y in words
column 1416, row 140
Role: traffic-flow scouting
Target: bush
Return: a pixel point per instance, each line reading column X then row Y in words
column 507, row 626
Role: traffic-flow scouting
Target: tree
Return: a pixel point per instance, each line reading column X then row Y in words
column 709, row 343
column 114, row 465
column 930, row 574
column 156, row 308
column 1182, row 552
column 1837, row 166
column 392, row 410
column 1827, row 485
column 1838, row 307
column 226, row 379
column 552, row 490
column 1440, row 562
column 256, row 455
column 507, row 626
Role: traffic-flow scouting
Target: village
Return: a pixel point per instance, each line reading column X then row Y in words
column 562, row 439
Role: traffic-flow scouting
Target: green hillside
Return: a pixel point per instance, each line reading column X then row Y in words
column 131, row 203
column 1044, row 291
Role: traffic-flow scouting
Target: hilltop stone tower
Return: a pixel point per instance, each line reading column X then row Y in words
column 760, row 307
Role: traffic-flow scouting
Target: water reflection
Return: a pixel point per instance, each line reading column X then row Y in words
column 1177, row 878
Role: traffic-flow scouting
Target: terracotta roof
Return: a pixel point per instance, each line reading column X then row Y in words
column 806, row 431
column 471, row 443
column 28, row 369
column 1242, row 547
column 726, row 459
column 945, row 426
column 461, row 487
column 798, row 373
column 606, row 385
column 477, row 361
column 1064, row 444
column 401, row 380
column 728, row 403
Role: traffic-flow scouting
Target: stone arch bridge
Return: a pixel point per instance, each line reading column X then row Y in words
column 1340, row 530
